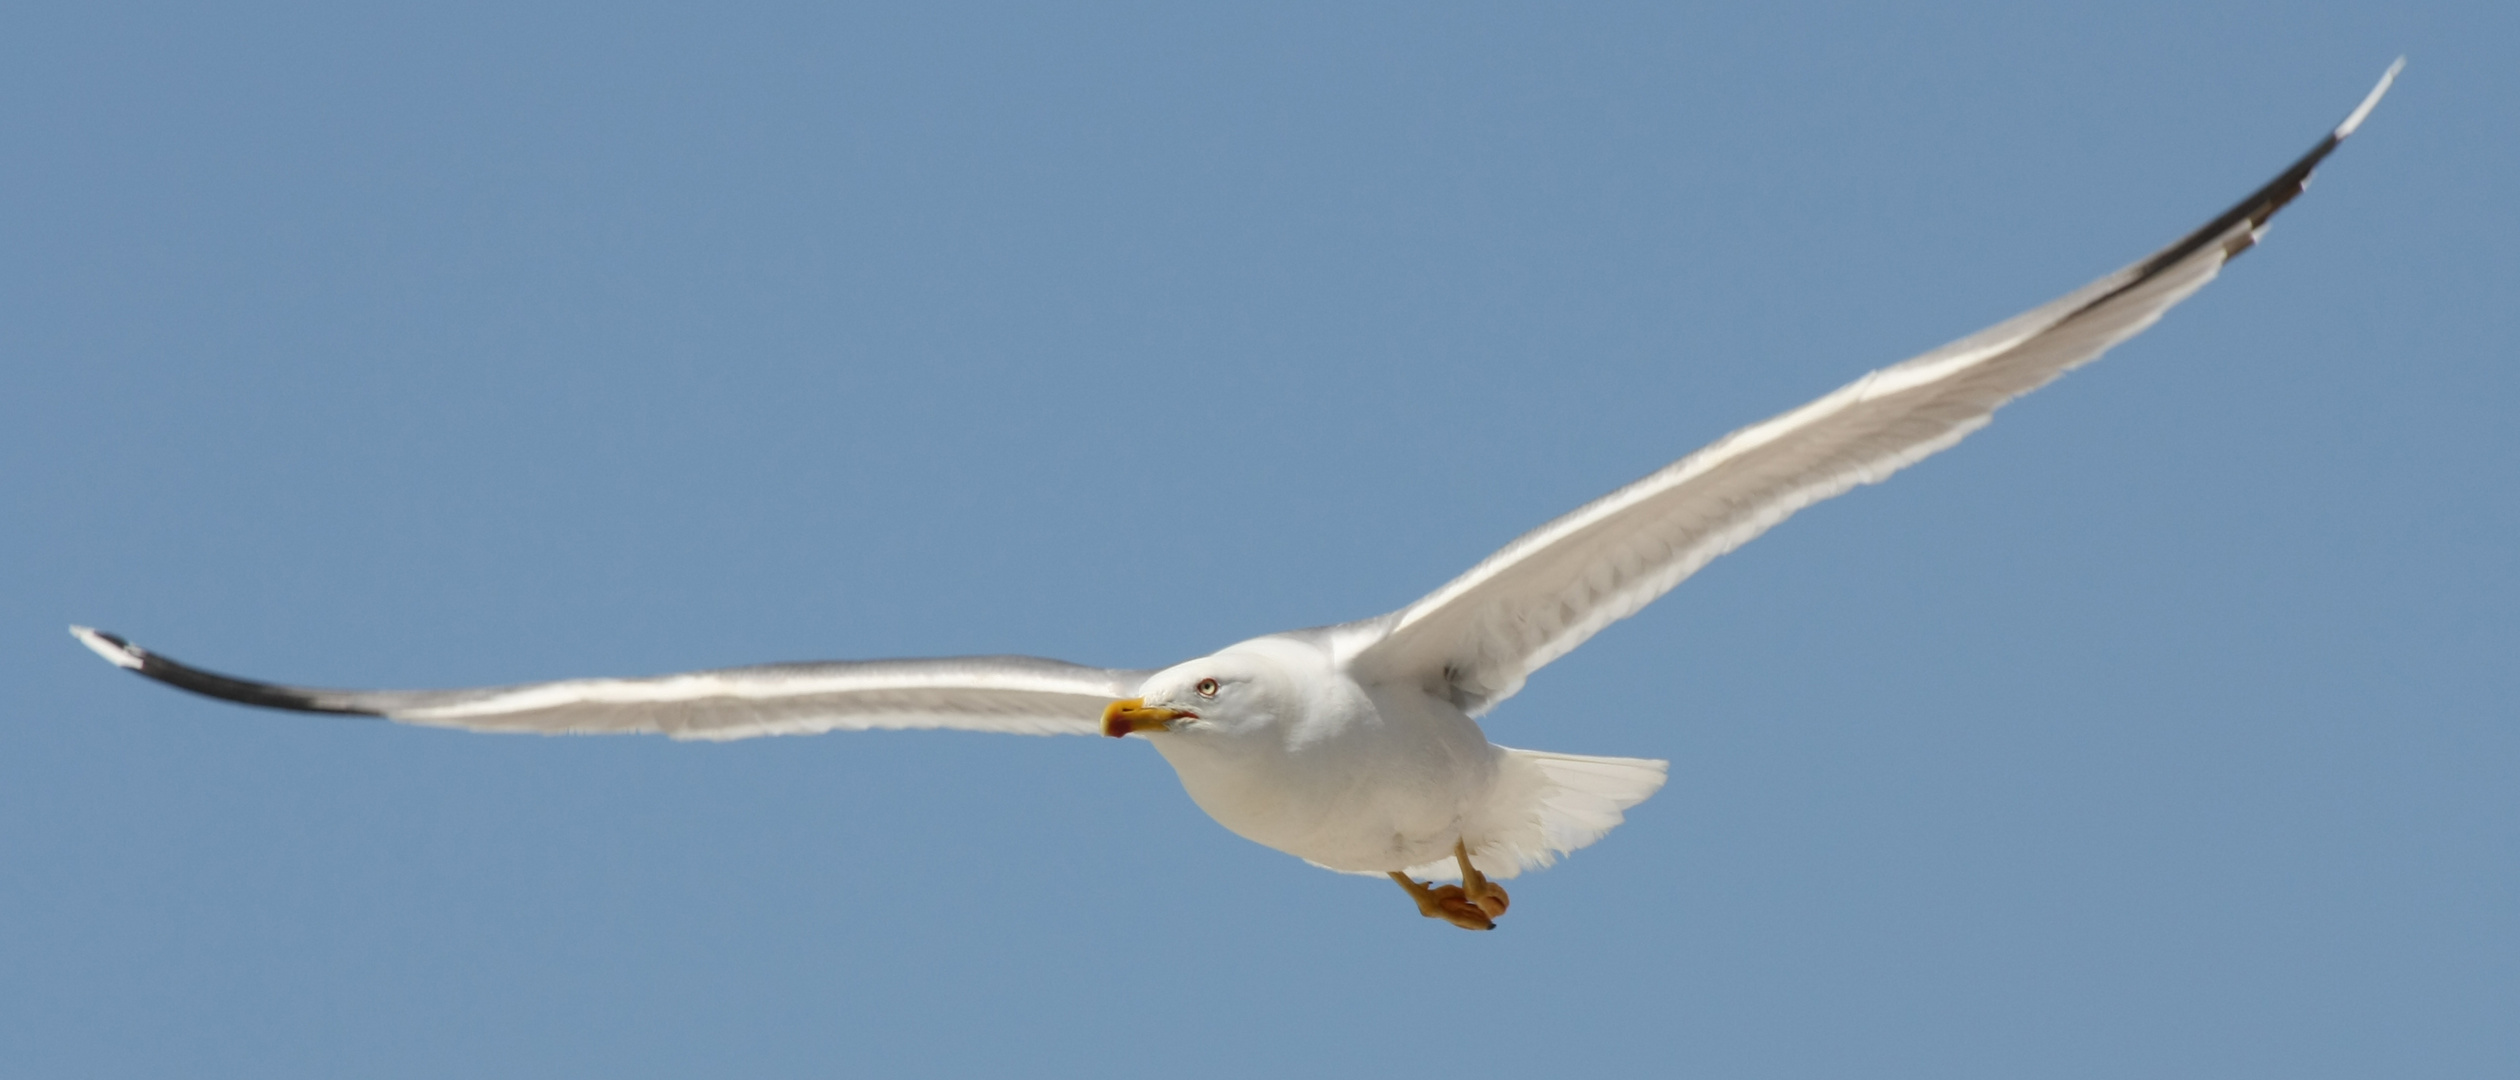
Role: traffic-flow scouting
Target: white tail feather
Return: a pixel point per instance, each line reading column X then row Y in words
column 1545, row 805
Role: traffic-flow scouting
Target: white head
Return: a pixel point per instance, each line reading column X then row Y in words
column 1241, row 690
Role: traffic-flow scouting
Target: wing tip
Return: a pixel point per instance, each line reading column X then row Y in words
column 114, row 649
column 2228, row 231
column 132, row 658
column 2371, row 100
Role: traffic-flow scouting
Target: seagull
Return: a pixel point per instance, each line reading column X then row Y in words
column 1357, row 747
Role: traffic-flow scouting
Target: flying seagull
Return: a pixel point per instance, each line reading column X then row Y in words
column 1356, row 747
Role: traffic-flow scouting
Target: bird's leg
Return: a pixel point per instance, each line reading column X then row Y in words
column 1489, row 897
column 1446, row 902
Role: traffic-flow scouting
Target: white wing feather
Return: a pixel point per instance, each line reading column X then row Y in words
column 1012, row 694
column 1478, row 637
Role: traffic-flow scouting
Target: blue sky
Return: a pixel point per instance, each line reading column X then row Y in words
column 2164, row 728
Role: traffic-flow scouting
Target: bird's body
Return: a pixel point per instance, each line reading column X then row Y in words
column 1357, row 746
column 1323, row 768
column 1370, row 778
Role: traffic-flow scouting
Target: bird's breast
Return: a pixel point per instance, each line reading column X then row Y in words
column 1377, row 780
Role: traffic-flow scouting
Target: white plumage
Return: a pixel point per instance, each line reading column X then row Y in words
column 1355, row 746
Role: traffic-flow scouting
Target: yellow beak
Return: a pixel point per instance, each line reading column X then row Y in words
column 1131, row 715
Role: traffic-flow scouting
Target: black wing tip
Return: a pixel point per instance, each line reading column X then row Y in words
column 2262, row 204
column 121, row 653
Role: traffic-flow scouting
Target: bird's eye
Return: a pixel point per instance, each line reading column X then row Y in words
column 1207, row 688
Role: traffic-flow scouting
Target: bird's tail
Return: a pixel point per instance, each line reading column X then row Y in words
column 1545, row 805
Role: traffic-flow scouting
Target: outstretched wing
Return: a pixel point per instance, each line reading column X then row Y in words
column 1476, row 639
column 1019, row 695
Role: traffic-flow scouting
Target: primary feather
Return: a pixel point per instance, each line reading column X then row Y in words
column 1353, row 746
column 1479, row 636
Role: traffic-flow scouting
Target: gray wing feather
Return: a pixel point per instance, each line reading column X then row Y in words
column 1012, row 694
column 1477, row 638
